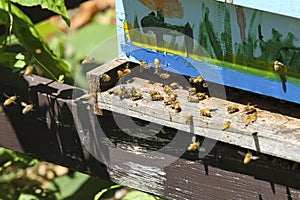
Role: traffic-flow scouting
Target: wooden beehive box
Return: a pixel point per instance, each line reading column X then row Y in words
column 234, row 43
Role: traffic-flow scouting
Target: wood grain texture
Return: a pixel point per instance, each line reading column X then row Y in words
column 51, row 132
column 277, row 129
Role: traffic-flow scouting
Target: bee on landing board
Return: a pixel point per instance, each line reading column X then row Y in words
column 205, row 112
column 9, row 100
column 188, row 118
column 232, row 109
column 226, row 125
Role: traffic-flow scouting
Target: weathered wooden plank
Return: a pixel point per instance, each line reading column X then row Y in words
column 276, row 133
column 49, row 133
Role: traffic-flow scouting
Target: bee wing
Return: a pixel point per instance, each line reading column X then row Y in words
column 254, row 157
column 24, row 104
column 5, row 95
column 194, row 138
column 242, row 153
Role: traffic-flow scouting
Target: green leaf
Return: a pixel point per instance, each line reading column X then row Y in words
column 57, row 6
column 34, row 44
column 20, row 64
column 28, row 197
column 20, row 56
column 61, row 78
column 100, row 194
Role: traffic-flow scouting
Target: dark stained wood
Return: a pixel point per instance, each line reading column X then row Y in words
column 60, row 130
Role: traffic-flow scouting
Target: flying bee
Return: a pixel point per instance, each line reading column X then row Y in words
column 105, row 78
column 27, row 107
column 278, row 65
column 248, row 157
column 205, row 112
column 164, row 75
column 226, row 125
column 201, row 95
column 193, row 99
column 249, row 109
column 194, row 146
column 232, row 109
column 192, row 91
column 157, row 97
column 28, row 70
column 9, row 100
column 174, row 85
column 88, row 60
column 177, row 107
column 188, row 118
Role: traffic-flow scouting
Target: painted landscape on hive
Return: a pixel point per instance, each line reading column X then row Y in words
column 205, row 37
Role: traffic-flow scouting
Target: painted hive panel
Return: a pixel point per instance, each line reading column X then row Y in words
column 243, row 46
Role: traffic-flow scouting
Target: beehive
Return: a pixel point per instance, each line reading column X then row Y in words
column 233, row 43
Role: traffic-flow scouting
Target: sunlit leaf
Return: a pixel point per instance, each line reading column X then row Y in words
column 20, row 56
column 61, row 78
column 137, row 195
column 20, row 64
column 57, row 6
column 102, row 192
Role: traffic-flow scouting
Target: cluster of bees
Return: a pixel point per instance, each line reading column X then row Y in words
column 12, row 100
column 170, row 99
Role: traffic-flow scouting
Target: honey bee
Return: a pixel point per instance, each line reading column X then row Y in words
column 278, row 65
column 164, row 75
column 171, row 93
column 188, row 118
column 253, row 117
column 28, row 70
column 153, row 92
column 105, row 78
column 89, row 96
column 143, row 65
column 232, row 109
column 120, row 74
column 177, row 107
column 194, row 146
column 174, row 103
column 192, row 91
column 174, row 85
column 248, row 157
column 198, row 79
column 201, row 95
column 249, row 109
column 157, row 97
column 167, row 88
column 157, row 66
column 136, row 95
column 193, row 99
column 247, row 120
column 9, row 100
column 169, row 100
column 27, row 107
column 126, row 70
column 226, row 125
column 205, row 112
column 88, row 60
column 119, row 92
